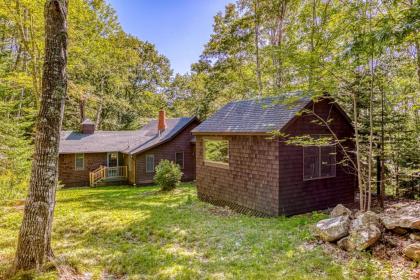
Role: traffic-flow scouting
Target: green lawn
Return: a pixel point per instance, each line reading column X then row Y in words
column 136, row 233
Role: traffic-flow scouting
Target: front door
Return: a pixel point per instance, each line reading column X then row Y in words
column 112, row 164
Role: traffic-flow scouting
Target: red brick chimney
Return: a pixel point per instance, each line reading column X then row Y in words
column 87, row 127
column 161, row 121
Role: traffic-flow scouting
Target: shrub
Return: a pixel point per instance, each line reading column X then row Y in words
column 12, row 188
column 168, row 175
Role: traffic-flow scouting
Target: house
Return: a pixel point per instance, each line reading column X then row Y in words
column 240, row 164
column 91, row 157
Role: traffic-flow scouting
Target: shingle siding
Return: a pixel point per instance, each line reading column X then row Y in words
column 250, row 183
column 78, row 178
column 266, row 176
column 181, row 143
column 298, row 196
column 175, row 143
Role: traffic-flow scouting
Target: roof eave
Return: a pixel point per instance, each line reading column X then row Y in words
column 88, row 152
column 309, row 104
column 255, row 133
column 165, row 141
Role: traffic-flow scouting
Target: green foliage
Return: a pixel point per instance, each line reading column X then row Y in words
column 216, row 150
column 115, row 79
column 12, row 187
column 120, row 81
column 168, row 175
column 145, row 233
column 350, row 51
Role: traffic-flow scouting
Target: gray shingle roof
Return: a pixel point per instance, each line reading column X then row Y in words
column 174, row 126
column 254, row 116
column 129, row 142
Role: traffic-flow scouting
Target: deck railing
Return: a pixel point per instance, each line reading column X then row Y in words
column 103, row 172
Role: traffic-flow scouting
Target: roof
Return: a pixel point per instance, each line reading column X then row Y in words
column 88, row 121
column 254, row 115
column 130, row 142
column 174, row 127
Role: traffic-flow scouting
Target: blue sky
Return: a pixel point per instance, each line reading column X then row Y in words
column 178, row 28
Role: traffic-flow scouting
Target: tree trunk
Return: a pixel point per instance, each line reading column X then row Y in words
column 28, row 43
column 35, row 231
column 397, row 181
column 359, row 171
column 98, row 116
column 370, row 153
column 257, row 48
column 82, row 105
column 312, row 48
column 99, row 110
column 278, row 57
column 382, row 163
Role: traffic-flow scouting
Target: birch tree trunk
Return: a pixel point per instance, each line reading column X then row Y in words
column 257, row 48
column 370, row 153
column 99, row 110
column 35, row 232
column 358, row 160
column 312, row 46
column 278, row 57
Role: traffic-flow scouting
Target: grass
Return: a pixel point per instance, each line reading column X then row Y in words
column 136, row 233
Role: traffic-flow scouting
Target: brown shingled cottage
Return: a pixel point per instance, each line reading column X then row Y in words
column 89, row 157
column 240, row 166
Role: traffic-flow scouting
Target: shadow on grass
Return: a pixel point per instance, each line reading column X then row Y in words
column 148, row 233
column 121, row 197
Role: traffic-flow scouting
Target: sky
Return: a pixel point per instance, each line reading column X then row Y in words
column 178, row 28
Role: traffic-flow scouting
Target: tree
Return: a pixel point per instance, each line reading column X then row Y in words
column 364, row 54
column 35, row 232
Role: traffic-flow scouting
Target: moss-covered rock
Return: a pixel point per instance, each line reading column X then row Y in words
column 340, row 210
column 412, row 251
column 333, row 229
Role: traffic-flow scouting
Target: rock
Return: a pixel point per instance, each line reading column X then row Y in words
column 399, row 230
column 399, row 205
column 410, row 210
column 391, row 240
column 403, row 215
column 415, row 236
column 394, row 221
column 333, row 229
column 412, row 251
column 340, row 210
column 364, row 232
column 364, row 219
column 363, row 237
column 343, row 243
column 390, row 211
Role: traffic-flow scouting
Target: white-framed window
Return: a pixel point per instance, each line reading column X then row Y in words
column 79, row 161
column 150, row 163
column 319, row 162
column 112, row 159
column 216, row 152
column 179, row 159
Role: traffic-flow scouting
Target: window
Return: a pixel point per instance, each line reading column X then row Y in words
column 112, row 159
column 150, row 163
column 79, row 161
column 319, row 162
column 216, row 152
column 179, row 159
